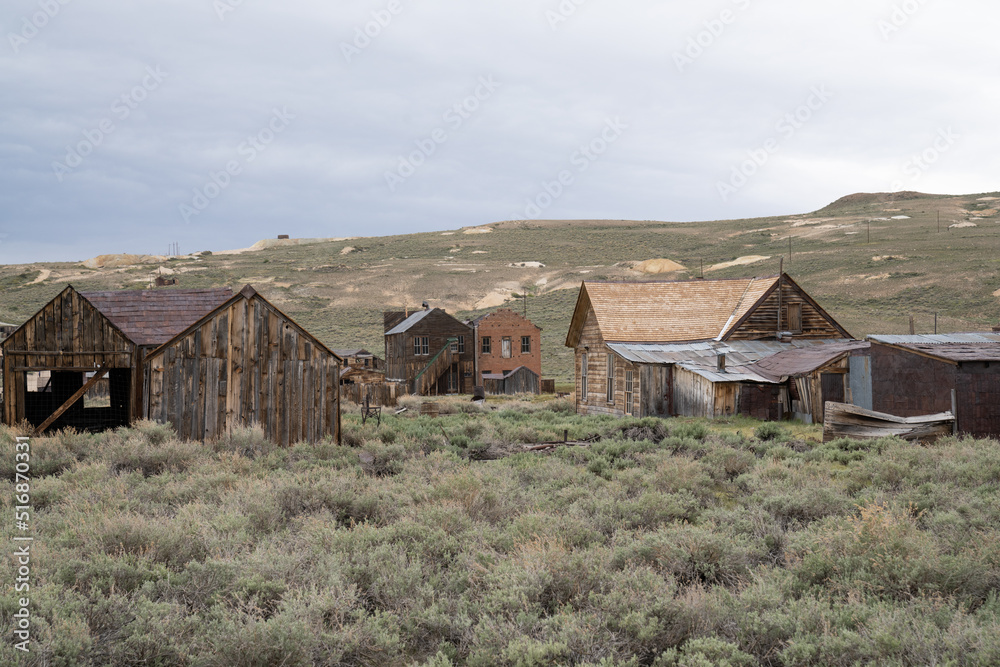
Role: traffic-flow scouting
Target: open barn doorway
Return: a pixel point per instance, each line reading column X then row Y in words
column 84, row 400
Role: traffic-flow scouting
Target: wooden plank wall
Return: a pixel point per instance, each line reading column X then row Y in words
column 68, row 333
column 763, row 322
column 245, row 364
column 438, row 326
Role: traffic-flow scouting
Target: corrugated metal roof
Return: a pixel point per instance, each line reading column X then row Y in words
column 152, row 317
column 953, row 347
column 938, row 339
column 802, row 361
column 409, row 322
column 702, row 358
column 675, row 310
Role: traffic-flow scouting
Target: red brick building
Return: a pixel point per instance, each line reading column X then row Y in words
column 505, row 341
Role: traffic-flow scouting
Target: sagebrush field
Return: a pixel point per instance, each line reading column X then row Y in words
column 441, row 542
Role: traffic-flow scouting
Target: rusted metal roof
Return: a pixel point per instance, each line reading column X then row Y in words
column 951, row 347
column 802, row 361
column 660, row 312
column 702, row 358
column 152, row 317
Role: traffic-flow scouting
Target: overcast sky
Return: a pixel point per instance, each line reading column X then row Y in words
column 127, row 126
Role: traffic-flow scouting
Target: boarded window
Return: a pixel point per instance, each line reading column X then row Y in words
column 525, row 344
column 629, row 392
column 505, row 347
column 611, row 379
column 794, row 316
column 583, row 377
column 486, row 345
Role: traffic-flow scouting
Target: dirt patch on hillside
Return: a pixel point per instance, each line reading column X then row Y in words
column 739, row 261
column 119, row 261
column 661, row 265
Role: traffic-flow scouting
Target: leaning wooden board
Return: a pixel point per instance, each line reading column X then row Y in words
column 842, row 420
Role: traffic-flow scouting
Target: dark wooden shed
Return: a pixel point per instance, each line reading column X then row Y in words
column 245, row 362
column 916, row 375
column 80, row 338
column 521, row 380
column 429, row 350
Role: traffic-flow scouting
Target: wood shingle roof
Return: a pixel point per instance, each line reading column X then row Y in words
column 658, row 312
column 152, row 317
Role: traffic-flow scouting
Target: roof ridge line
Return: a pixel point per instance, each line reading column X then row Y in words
column 736, row 309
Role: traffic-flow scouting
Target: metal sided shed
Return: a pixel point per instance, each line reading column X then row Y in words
column 917, row 375
column 245, row 362
column 80, row 338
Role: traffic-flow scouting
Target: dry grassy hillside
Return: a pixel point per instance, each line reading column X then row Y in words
column 871, row 259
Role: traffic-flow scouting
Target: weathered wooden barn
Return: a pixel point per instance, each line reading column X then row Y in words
column 673, row 348
column 243, row 363
column 82, row 337
column 521, row 380
column 919, row 374
column 359, row 358
column 429, row 350
column 505, row 341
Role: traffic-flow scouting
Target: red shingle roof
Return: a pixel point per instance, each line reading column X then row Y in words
column 152, row 317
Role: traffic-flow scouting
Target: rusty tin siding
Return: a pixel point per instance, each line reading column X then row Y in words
column 245, row 363
column 907, row 384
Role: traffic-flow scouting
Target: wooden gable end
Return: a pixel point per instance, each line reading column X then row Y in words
column 245, row 363
column 68, row 332
column 581, row 312
column 791, row 311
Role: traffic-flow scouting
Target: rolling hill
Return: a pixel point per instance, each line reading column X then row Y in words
column 872, row 260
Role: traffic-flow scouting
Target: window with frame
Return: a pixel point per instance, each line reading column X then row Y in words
column 525, row 344
column 583, row 377
column 486, row 345
column 505, row 351
column 629, row 392
column 421, row 345
column 461, row 344
column 611, row 379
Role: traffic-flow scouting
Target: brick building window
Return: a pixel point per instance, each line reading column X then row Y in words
column 486, row 345
column 525, row 344
column 505, row 351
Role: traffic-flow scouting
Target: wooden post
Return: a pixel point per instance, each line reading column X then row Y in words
column 912, row 329
column 954, row 412
column 935, row 324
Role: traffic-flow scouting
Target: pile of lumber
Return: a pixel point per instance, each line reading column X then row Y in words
column 842, row 420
